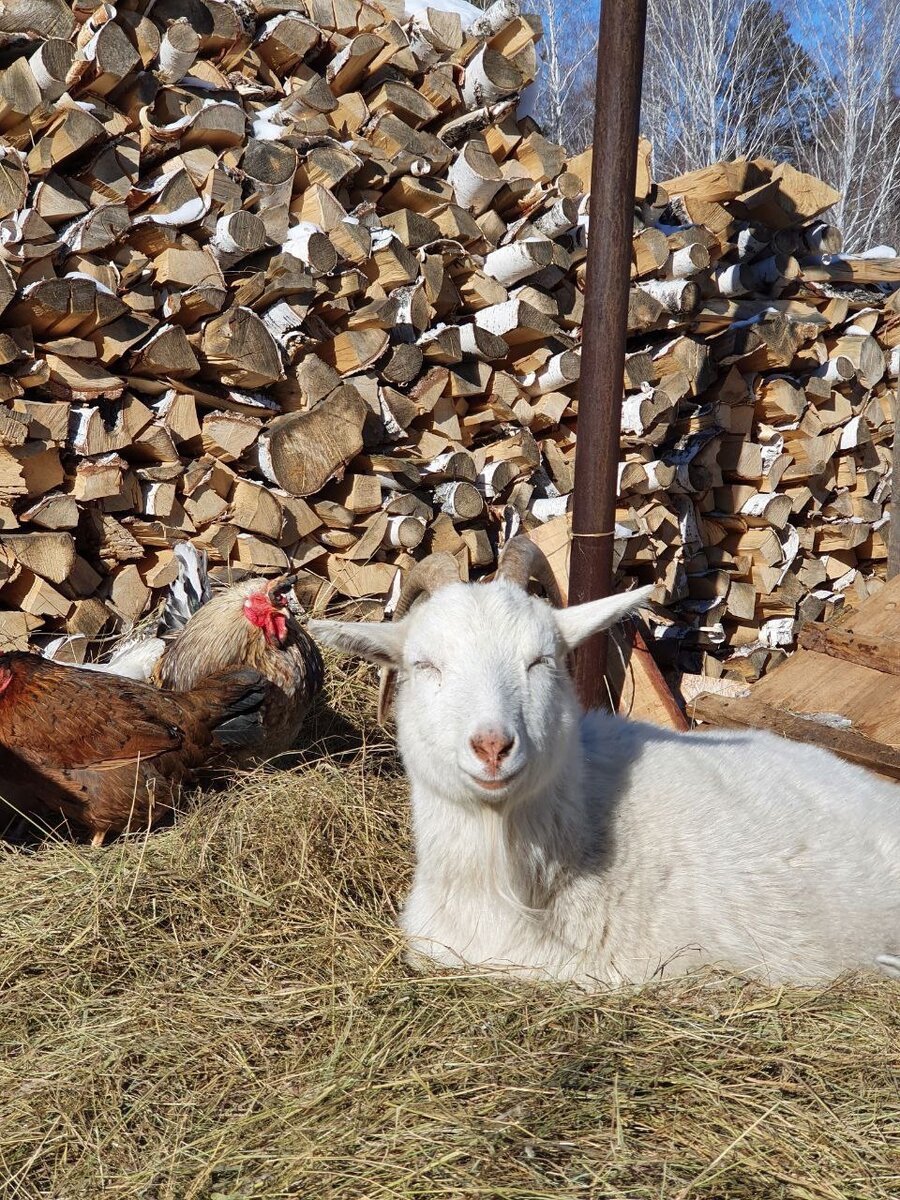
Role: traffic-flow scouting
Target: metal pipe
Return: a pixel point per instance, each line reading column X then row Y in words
column 620, row 60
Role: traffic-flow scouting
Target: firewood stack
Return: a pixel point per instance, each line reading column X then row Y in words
column 294, row 280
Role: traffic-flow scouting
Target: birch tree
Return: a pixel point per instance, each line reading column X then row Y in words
column 563, row 97
column 722, row 79
column 814, row 82
column 856, row 93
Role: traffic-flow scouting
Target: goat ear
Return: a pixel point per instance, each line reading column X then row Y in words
column 584, row 620
column 382, row 644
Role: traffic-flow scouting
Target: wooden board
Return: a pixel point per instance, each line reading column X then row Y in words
column 815, row 683
column 638, row 687
column 754, row 714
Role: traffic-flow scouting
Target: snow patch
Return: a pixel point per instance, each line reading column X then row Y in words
column 468, row 13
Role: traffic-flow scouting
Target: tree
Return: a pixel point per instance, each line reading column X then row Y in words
column 815, row 82
column 855, row 143
column 562, row 97
column 722, row 79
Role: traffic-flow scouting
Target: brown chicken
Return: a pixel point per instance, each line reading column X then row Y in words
column 110, row 753
column 253, row 624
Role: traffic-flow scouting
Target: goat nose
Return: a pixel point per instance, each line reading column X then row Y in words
column 491, row 747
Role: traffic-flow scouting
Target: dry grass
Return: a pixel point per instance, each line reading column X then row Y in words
column 220, row 1010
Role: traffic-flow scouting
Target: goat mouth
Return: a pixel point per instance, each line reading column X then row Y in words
column 495, row 785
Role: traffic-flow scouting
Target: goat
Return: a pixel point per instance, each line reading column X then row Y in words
column 591, row 848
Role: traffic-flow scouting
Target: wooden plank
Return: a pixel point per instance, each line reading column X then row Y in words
column 817, row 683
column 813, row 682
column 866, row 652
column 638, row 686
column 879, row 617
column 754, row 714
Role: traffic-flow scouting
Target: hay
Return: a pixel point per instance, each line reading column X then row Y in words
column 220, row 1010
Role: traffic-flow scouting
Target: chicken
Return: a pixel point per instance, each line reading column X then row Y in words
column 109, row 752
column 251, row 624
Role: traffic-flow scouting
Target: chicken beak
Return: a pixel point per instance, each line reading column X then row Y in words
column 283, row 586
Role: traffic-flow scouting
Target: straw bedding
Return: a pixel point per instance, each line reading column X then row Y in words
column 220, row 1010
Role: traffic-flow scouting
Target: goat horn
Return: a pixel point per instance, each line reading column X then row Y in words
column 521, row 561
column 423, row 579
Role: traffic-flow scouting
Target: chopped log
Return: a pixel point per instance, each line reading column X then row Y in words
column 353, row 351
column 489, row 76
column 678, row 297
column 300, row 452
column 16, row 629
column 227, row 436
column 459, row 500
column 475, row 177
column 516, row 322
column 238, row 350
column 237, row 234
column 840, row 269
column 49, row 555
column 256, row 510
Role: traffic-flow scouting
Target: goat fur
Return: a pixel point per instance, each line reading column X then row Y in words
column 617, row 851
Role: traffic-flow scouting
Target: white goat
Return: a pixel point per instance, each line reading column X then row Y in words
column 602, row 850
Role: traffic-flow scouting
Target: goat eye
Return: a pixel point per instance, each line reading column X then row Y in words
column 545, row 660
column 424, row 665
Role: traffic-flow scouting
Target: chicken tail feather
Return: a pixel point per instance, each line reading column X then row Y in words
column 188, row 592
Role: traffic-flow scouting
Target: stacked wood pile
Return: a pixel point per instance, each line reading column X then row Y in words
column 293, row 279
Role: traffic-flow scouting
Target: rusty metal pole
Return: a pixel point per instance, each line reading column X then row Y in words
column 893, row 563
column 620, row 60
